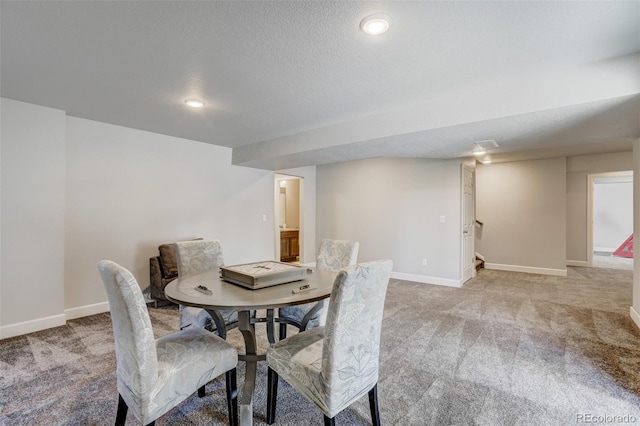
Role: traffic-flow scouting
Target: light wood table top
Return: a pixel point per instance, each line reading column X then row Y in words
column 226, row 295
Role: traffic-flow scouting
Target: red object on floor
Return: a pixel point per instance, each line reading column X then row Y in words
column 626, row 249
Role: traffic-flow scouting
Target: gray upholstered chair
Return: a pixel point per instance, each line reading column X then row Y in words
column 334, row 365
column 333, row 255
column 153, row 376
column 194, row 257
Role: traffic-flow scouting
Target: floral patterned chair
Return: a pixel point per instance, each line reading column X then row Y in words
column 197, row 256
column 333, row 255
column 153, row 376
column 334, row 365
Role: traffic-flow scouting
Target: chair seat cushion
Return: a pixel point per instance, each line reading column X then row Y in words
column 296, row 313
column 187, row 360
column 298, row 360
column 198, row 317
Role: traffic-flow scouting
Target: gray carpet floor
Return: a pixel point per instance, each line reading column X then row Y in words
column 608, row 260
column 506, row 349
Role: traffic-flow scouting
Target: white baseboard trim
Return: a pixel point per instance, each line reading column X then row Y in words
column 526, row 269
column 605, row 249
column 634, row 316
column 85, row 311
column 18, row 329
column 426, row 279
column 577, row 263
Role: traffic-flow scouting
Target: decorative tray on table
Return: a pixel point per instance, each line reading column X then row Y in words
column 262, row 274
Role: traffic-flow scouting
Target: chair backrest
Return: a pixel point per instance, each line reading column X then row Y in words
column 136, row 359
column 334, row 255
column 352, row 333
column 198, row 256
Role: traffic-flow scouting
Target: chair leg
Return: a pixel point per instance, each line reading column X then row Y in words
column 373, row 404
column 121, row 415
column 201, row 392
column 232, row 396
column 272, row 394
column 283, row 331
column 329, row 421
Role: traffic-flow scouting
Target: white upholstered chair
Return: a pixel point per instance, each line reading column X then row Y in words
column 153, row 376
column 334, row 365
column 333, row 255
column 194, row 257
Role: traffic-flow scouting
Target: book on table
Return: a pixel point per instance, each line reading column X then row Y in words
column 262, row 274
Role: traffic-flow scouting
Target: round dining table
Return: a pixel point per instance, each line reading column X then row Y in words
column 223, row 295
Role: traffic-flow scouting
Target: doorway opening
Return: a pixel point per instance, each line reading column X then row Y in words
column 288, row 216
column 611, row 219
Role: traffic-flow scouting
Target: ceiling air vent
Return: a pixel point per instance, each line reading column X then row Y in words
column 488, row 144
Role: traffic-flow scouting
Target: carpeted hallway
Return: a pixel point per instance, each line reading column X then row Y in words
column 506, row 349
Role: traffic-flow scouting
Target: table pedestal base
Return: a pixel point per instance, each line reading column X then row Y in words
column 245, row 401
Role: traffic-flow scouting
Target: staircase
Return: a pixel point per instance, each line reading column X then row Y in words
column 479, row 263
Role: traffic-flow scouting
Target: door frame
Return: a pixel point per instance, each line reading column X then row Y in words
column 471, row 238
column 278, row 177
column 590, row 222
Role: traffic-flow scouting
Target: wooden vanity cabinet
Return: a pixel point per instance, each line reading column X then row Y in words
column 289, row 246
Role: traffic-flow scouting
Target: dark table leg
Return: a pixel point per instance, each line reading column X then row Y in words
column 271, row 327
column 251, row 359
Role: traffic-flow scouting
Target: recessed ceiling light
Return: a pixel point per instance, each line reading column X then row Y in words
column 375, row 24
column 194, row 103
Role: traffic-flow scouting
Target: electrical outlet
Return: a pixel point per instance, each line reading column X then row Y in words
column 424, row 262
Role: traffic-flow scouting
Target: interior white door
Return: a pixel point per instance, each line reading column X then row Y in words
column 468, row 222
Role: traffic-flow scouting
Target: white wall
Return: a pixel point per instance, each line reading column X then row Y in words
column 109, row 192
column 129, row 191
column 392, row 206
column 523, row 207
column 612, row 214
column 32, row 217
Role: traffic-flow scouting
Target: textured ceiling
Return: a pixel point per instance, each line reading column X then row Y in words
column 297, row 83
